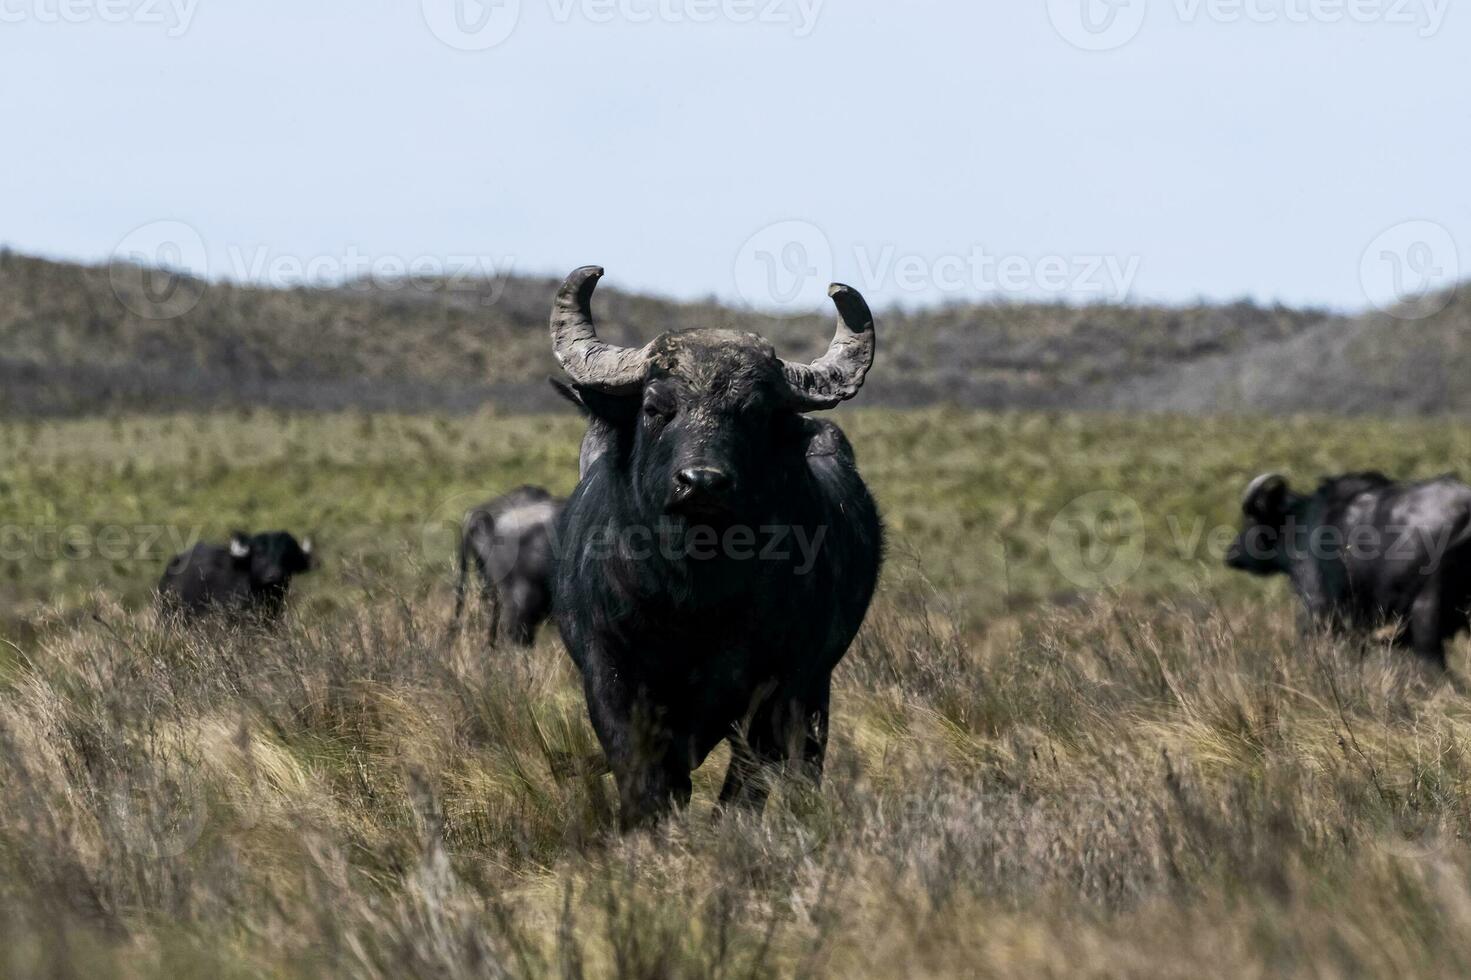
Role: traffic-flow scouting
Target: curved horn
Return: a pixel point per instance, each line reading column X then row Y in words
column 1257, row 490
column 586, row 359
column 837, row 375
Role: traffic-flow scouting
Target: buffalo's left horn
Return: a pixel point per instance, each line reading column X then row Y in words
column 837, row 375
column 586, row 359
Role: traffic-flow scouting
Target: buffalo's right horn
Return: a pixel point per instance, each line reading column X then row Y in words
column 586, row 359
column 1257, row 501
column 837, row 375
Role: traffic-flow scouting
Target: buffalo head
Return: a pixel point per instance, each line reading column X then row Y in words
column 272, row 558
column 1260, row 548
column 704, row 418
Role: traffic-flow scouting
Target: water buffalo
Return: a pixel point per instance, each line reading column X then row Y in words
column 720, row 550
column 1364, row 552
column 509, row 541
column 249, row 576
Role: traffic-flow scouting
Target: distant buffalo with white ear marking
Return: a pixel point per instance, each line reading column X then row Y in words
column 509, row 541
column 249, row 576
column 1364, row 551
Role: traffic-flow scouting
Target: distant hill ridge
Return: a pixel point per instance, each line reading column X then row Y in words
column 80, row 339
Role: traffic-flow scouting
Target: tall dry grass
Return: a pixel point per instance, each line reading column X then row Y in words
column 1027, row 778
column 1119, row 789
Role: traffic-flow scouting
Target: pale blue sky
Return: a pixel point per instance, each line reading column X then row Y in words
column 898, row 146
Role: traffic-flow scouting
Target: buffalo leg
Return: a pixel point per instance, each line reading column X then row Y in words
column 491, row 598
column 652, row 776
column 745, row 783
column 783, row 729
column 814, row 731
column 520, row 615
column 1426, row 634
column 521, row 632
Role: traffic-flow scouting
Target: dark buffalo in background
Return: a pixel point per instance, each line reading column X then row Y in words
column 509, row 541
column 702, row 435
column 250, row 575
column 1364, row 551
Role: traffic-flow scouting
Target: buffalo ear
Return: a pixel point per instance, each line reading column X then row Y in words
column 1265, row 499
column 617, row 410
column 239, row 545
column 568, row 392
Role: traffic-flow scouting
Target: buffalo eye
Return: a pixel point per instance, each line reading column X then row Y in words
column 658, row 409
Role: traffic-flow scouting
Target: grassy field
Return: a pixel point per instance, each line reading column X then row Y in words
column 1067, row 743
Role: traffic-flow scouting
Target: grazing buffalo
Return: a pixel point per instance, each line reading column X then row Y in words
column 509, row 540
column 1364, row 552
column 250, row 575
column 720, row 550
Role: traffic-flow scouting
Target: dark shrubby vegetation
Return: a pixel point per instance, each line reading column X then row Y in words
column 79, row 340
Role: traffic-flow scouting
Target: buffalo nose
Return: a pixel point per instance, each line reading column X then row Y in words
column 705, row 481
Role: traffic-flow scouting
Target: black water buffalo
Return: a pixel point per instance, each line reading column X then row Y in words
column 1364, row 552
column 249, row 576
column 509, row 540
column 719, row 553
